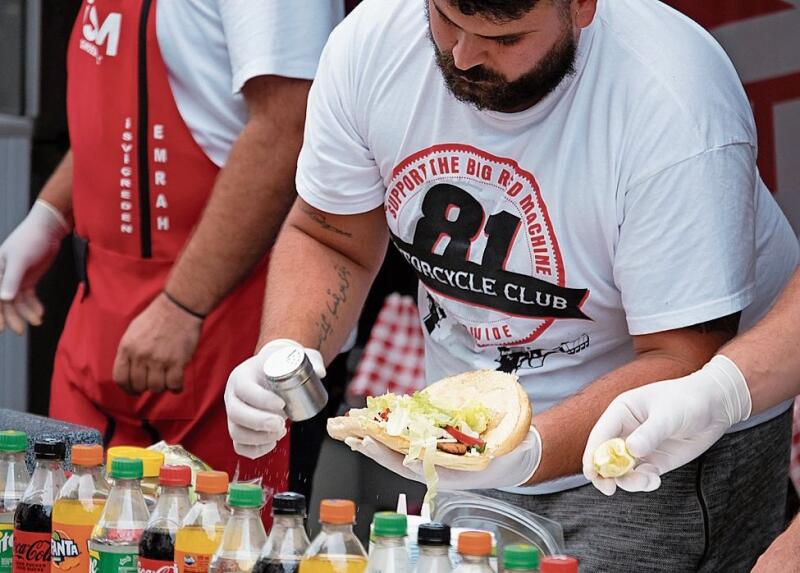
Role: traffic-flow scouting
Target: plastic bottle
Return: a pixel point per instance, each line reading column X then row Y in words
column 389, row 554
column 77, row 510
column 433, row 540
column 414, row 521
column 558, row 564
column 288, row 540
column 32, row 519
column 336, row 549
column 521, row 558
column 151, row 466
column 201, row 531
column 14, row 479
column 114, row 545
column 474, row 548
column 157, row 544
column 244, row 535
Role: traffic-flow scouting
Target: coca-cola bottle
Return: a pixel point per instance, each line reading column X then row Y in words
column 157, row 545
column 32, row 519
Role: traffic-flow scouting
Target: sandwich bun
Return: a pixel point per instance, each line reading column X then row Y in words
column 499, row 392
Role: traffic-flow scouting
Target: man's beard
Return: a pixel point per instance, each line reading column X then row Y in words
column 486, row 89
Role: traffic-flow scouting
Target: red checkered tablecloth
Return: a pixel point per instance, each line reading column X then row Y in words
column 393, row 357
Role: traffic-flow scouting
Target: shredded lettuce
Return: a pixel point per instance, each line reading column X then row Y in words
column 422, row 421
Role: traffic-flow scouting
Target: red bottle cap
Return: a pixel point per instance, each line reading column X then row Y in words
column 558, row 564
column 175, row 476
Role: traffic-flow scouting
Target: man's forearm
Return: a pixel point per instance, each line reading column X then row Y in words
column 769, row 354
column 57, row 191
column 314, row 293
column 248, row 204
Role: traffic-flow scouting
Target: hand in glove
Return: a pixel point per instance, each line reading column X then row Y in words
column 256, row 420
column 512, row 469
column 668, row 424
column 24, row 257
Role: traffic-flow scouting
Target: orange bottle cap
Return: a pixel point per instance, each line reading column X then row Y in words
column 476, row 543
column 211, row 482
column 337, row 511
column 87, row 455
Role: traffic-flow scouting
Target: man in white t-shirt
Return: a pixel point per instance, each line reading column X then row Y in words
column 185, row 121
column 575, row 183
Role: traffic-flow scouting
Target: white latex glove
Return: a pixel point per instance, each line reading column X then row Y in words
column 24, row 257
column 256, row 420
column 511, row 470
column 668, row 424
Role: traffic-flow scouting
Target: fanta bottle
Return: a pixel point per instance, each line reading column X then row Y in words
column 201, row 531
column 13, row 481
column 77, row 509
column 114, row 546
column 335, row 549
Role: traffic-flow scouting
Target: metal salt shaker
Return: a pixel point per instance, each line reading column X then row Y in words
column 291, row 376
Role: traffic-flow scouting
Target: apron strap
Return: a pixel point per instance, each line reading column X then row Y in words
column 80, row 250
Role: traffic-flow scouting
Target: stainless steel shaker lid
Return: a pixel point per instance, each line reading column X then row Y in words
column 284, row 363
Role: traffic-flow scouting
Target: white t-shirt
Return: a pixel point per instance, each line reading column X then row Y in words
column 627, row 202
column 212, row 47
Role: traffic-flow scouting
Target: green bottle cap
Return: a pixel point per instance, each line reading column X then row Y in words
column 126, row 468
column 390, row 524
column 13, row 441
column 520, row 557
column 245, row 495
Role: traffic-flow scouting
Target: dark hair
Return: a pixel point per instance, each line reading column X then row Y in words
column 499, row 10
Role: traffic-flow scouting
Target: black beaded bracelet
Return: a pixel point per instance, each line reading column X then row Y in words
column 182, row 306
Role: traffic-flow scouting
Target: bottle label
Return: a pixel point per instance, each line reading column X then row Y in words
column 31, row 552
column 192, row 561
column 6, row 546
column 69, row 548
column 106, row 562
column 147, row 565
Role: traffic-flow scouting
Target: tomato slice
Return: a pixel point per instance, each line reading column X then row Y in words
column 464, row 438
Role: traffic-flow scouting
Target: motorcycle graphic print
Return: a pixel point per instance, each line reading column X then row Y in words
column 476, row 230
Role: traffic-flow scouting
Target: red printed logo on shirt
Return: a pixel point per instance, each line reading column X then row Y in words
column 476, row 229
column 100, row 33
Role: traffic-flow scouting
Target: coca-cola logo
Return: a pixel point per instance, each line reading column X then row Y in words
column 148, row 568
column 37, row 551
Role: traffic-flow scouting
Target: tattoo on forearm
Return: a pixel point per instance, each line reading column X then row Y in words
column 322, row 221
column 726, row 324
column 336, row 298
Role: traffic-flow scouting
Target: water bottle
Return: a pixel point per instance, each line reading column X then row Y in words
column 14, row 479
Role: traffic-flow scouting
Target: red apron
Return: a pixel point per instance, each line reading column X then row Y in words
column 140, row 183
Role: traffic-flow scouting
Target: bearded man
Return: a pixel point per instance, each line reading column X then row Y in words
column 575, row 181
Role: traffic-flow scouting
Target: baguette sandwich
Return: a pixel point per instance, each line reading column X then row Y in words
column 461, row 422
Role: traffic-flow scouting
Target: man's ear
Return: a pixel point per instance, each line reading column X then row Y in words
column 583, row 12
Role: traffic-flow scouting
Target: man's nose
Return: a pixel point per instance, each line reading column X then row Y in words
column 468, row 52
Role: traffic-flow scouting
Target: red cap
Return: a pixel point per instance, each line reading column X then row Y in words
column 558, row 564
column 175, row 476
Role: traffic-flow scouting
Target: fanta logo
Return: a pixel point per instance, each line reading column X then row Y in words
column 95, row 34
column 65, row 552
